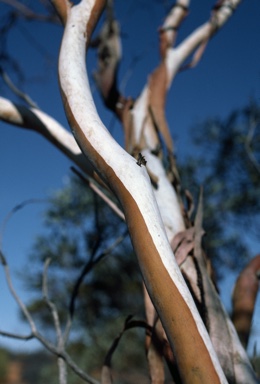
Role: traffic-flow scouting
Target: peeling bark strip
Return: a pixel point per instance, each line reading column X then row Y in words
column 244, row 298
column 196, row 358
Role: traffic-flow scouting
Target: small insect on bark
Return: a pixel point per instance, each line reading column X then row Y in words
column 141, row 160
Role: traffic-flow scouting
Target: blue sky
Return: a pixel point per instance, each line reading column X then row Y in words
column 225, row 79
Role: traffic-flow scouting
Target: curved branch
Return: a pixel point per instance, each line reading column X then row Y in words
column 29, row 13
column 36, row 120
column 168, row 31
column 131, row 184
column 198, row 39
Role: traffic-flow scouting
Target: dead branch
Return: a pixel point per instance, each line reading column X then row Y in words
column 58, row 350
column 28, row 13
column 130, row 323
column 54, row 312
column 93, row 261
column 17, row 91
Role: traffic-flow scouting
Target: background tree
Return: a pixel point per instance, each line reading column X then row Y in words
column 80, row 230
column 227, row 165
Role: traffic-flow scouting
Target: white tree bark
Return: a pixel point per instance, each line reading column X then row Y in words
column 39, row 121
column 131, row 184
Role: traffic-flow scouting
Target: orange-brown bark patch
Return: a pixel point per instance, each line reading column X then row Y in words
column 193, row 359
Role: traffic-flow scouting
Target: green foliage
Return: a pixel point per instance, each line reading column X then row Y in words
column 227, row 164
column 4, row 360
column 79, row 228
column 33, row 366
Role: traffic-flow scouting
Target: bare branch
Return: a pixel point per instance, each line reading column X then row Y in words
column 36, row 120
column 129, row 324
column 50, row 304
column 171, row 25
column 58, row 351
column 15, row 295
column 88, row 268
column 28, row 13
column 198, row 39
column 53, row 309
column 32, row 118
column 62, row 371
column 100, row 193
column 16, row 336
column 17, row 91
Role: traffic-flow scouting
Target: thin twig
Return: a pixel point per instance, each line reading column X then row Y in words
column 53, row 309
column 16, row 336
column 64, row 355
column 50, row 304
column 99, row 192
column 17, row 298
column 17, row 91
column 87, row 268
column 13, row 211
column 29, row 13
column 58, row 351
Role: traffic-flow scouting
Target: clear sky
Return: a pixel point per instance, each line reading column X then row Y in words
column 225, row 79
